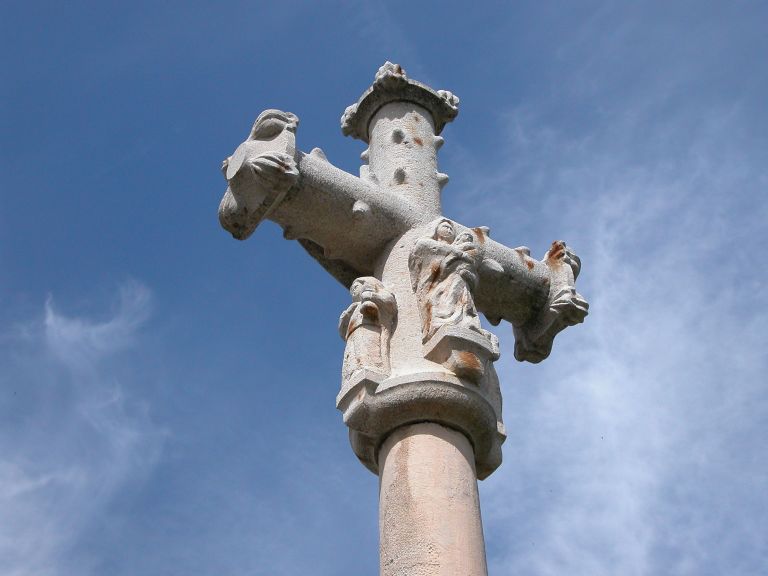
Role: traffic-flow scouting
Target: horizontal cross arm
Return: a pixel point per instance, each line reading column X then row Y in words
column 343, row 221
column 538, row 297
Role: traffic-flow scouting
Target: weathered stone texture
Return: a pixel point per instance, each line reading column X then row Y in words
column 419, row 391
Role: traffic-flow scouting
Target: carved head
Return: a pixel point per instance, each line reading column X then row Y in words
column 272, row 122
column 464, row 237
column 445, row 232
column 362, row 285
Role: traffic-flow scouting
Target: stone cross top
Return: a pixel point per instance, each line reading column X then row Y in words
column 419, row 392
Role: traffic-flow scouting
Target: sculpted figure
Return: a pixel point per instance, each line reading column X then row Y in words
column 259, row 173
column 565, row 307
column 366, row 325
column 443, row 275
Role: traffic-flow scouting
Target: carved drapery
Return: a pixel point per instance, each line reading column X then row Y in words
column 444, row 273
column 366, row 326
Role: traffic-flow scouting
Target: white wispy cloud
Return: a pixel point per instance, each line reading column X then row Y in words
column 636, row 449
column 72, row 435
column 80, row 343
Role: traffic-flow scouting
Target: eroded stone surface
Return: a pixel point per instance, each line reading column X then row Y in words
column 262, row 170
column 564, row 307
column 419, row 391
column 366, row 326
column 443, row 275
column 391, row 84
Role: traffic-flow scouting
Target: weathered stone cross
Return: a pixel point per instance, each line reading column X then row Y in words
column 419, row 392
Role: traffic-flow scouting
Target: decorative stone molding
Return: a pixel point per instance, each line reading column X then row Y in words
column 466, row 353
column 373, row 408
column 391, row 84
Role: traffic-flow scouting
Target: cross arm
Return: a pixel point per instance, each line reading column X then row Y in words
column 538, row 297
column 345, row 222
column 342, row 220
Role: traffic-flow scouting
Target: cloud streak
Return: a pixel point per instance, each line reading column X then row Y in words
column 73, row 436
column 636, row 448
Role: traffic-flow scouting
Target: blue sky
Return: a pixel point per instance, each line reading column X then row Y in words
column 167, row 393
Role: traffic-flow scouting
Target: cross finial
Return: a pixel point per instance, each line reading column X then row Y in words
column 391, row 84
column 400, row 120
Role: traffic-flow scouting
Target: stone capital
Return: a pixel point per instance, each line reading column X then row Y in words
column 374, row 407
column 391, row 84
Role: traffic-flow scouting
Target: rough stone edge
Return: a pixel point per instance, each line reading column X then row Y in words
column 449, row 333
column 390, row 85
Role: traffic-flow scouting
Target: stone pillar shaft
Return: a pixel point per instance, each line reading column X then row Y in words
column 402, row 155
column 429, row 508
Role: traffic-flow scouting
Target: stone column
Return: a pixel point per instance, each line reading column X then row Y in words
column 429, row 508
column 402, row 156
column 426, row 423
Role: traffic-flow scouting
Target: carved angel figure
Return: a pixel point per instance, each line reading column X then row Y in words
column 443, row 275
column 366, row 325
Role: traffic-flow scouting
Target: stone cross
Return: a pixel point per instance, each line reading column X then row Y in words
column 419, row 392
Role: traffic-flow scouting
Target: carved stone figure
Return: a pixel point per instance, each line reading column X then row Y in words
column 565, row 307
column 443, row 275
column 366, row 326
column 264, row 165
column 444, row 272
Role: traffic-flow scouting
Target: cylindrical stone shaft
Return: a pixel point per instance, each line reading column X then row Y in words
column 429, row 508
column 402, row 154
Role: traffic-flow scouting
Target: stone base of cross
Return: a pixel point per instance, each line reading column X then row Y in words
column 419, row 392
